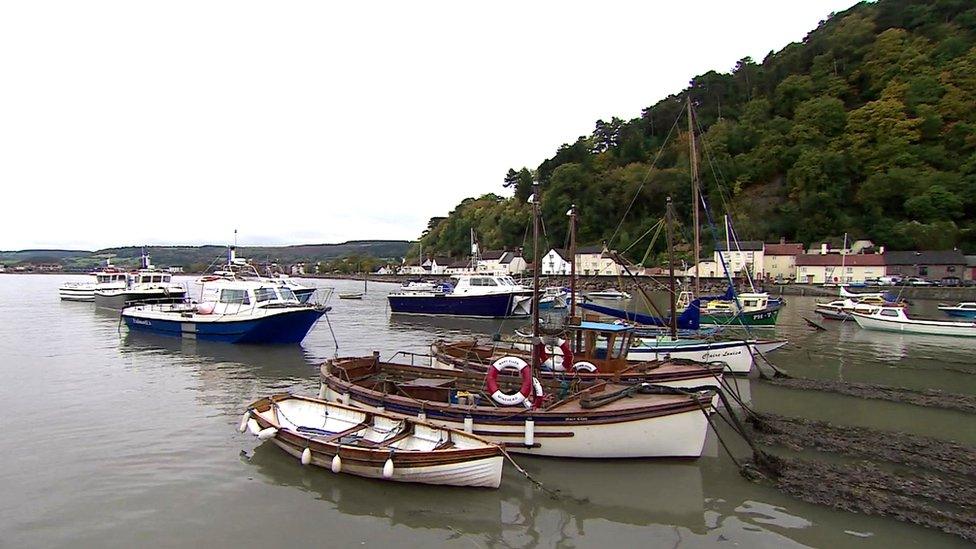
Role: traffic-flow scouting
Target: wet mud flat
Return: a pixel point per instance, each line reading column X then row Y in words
column 922, row 480
column 931, row 398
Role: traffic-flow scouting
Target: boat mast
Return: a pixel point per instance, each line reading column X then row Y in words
column 694, row 196
column 535, row 276
column 667, row 232
column 572, row 262
column 843, row 257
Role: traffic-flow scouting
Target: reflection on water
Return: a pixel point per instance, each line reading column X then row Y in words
column 119, row 438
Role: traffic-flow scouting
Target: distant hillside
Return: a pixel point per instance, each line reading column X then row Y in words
column 198, row 257
column 867, row 127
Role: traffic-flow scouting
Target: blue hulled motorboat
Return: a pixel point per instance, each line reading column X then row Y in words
column 231, row 311
column 486, row 296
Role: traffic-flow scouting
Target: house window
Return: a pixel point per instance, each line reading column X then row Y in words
column 850, row 269
column 950, row 268
column 923, row 270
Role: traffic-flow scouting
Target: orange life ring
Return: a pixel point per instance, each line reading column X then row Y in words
column 525, row 393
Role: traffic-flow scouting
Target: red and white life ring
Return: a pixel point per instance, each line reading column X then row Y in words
column 530, row 391
column 583, row 366
column 567, row 354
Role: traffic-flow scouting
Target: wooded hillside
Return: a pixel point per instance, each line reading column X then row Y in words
column 867, row 126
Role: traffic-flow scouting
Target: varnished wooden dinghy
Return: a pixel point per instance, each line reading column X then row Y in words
column 373, row 444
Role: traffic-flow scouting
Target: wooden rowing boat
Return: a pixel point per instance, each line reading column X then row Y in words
column 373, row 444
column 602, row 420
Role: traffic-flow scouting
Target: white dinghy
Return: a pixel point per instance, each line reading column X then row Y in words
column 373, row 444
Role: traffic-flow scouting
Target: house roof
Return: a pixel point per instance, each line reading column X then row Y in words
column 745, row 246
column 590, row 250
column 786, row 248
column 931, row 257
column 971, row 260
column 562, row 253
column 492, row 255
column 507, row 258
column 442, row 260
column 835, row 260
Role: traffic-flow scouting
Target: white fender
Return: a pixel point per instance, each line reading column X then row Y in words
column 265, row 434
column 468, row 424
column 253, row 427
column 529, row 432
column 336, row 464
column 306, row 456
column 388, row 468
column 244, row 418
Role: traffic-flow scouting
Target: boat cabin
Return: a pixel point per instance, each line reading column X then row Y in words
column 603, row 344
column 483, row 284
column 108, row 278
column 228, row 297
column 147, row 278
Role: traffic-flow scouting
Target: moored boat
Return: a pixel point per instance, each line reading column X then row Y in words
column 608, row 293
column 605, row 420
column 373, row 444
column 231, row 311
column 745, row 309
column 592, row 351
column 490, row 296
column 351, row 295
column 894, row 319
column 147, row 285
column 965, row 309
column 105, row 278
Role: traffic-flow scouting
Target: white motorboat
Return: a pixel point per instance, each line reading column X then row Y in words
column 608, row 293
column 147, row 285
column 961, row 310
column 106, row 278
column 894, row 319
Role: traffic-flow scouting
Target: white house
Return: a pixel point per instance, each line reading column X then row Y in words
column 595, row 260
column 706, row 267
column 491, row 262
column 838, row 268
column 555, row 262
column 460, row 266
column 384, row 270
column 779, row 260
column 514, row 263
column 741, row 257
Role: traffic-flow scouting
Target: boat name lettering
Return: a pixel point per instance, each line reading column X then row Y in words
column 141, row 322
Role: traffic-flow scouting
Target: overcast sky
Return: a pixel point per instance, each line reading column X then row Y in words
column 176, row 122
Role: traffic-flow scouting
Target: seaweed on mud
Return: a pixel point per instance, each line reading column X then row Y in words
column 903, row 448
column 931, row 398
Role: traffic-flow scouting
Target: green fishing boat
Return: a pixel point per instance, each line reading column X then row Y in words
column 750, row 309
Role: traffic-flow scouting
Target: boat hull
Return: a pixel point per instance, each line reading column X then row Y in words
column 482, row 473
column 957, row 313
column 673, row 435
column 279, row 327
column 121, row 299
column 766, row 317
column 77, row 294
column 485, row 306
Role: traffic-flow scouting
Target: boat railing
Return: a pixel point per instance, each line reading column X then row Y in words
column 321, row 296
column 413, row 357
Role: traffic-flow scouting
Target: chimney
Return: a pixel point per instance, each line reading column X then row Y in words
column 880, row 249
column 823, row 248
column 782, row 240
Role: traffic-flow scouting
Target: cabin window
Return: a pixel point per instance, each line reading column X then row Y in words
column 489, row 282
column 264, row 294
column 888, row 312
column 618, row 347
column 158, row 278
column 234, row 296
column 287, row 294
column 166, row 278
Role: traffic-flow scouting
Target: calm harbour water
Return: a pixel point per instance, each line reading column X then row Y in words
column 118, row 440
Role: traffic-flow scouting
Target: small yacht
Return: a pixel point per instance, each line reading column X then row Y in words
column 554, row 297
column 106, row 278
column 474, row 295
column 231, row 311
column 147, row 285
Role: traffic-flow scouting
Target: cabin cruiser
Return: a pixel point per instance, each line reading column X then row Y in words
column 608, row 293
column 106, row 278
column 473, row 295
column 146, row 285
column 842, row 309
column 231, row 311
